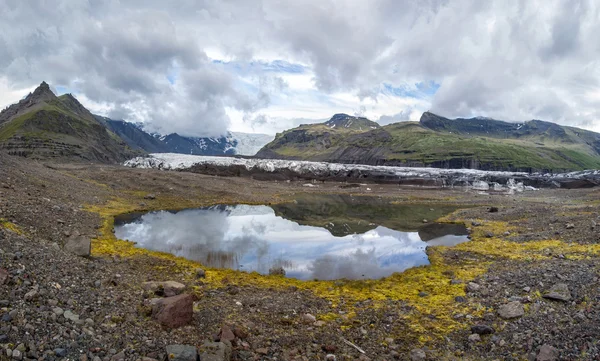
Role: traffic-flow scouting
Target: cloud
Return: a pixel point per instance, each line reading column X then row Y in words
column 207, row 66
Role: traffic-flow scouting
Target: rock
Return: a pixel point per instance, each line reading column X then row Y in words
column 164, row 288
column 511, row 310
column 31, row 295
column 200, row 273
column 174, row 311
column 569, row 226
column 493, row 209
column 489, row 234
column 262, row 351
column 60, row 352
column 150, row 196
column 3, row 276
column 482, row 329
column 225, row 334
column 417, row 355
column 118, row 357
column 215, row 351
column 559, row 292
column 330, row 357
column 17, row 355
column 474, row 338
column 547, row 353
column 308, row 318
column 277, row 271
column 423, row 294
column 526, row 289
column 425, row 221
column 58, row 311
column 473, row 287
column 71, row 316
column 79, row 245
column 181, row 353
column 460, row 299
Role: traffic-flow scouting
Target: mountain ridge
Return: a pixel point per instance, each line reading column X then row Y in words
column 436, row 141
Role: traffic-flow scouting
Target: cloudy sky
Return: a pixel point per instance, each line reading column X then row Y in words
column 203, row 67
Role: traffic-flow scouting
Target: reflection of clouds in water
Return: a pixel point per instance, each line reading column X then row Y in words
column 253, row 238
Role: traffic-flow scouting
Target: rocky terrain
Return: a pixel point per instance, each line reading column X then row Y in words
column 435, row 141
column 524, row 288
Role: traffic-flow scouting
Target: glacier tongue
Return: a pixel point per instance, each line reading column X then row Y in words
column 479, row 179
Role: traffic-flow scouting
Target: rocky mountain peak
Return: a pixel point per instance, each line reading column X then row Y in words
column 342, row 120
column 41, row 93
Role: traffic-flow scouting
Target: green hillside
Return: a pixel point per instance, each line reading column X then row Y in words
column 440, row 142
column 44, row 126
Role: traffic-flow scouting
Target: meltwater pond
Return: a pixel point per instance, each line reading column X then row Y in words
column 321, row 241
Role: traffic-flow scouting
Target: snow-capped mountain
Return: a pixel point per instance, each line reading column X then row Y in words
column 232, row 143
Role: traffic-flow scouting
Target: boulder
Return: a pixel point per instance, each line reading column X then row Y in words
column 511, row 310
column 559, row 292
column 164, row 288
column 79, row 245
column 181, row 353
column 482, row 329
column 174, row 311
column 215, row 351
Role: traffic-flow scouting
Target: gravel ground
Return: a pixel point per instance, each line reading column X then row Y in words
column 55, row 305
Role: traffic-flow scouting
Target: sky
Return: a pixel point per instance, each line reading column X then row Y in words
column 203, row 67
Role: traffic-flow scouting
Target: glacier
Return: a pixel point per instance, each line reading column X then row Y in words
column 306, row 170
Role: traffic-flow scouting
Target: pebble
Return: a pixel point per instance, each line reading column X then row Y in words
column 473, row 287
column 417, row 355
column 308, row 318
column 547, row 353
column 60, row 352
column 71, row 316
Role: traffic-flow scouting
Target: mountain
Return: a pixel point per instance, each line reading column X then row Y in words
column 44, row 126
column 435, row 141
column 230, row 144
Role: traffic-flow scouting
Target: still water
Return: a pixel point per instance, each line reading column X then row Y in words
column 320, row 245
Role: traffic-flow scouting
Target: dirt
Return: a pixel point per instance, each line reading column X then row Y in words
column 535, row 240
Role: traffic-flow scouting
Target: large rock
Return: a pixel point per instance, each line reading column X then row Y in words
column 559, row 292
column 511, row 310
column 547, row 353
column 79, row 245
column 164, row 288
column 174, row 311
column 215, row 351
column 181, row 353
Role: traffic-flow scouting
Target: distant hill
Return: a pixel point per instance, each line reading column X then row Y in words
column 435, row 141
column 45, row 126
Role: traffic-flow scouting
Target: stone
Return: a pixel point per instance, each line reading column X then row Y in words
column 417, row 355
column 150, row 196
column 473, row 287
column 174, row 311
column 31, row 295
column 308, row 318
column 118, row 357
column 58, row 311
column 559, row 292
column 511, row 310
column 17, row 355
column 330, row 357
column 547, row 353
column 79, row 245
column 215, row 351
column 493, row 209
column 277, row 271
column 200, row 273
column 71, row 316
column 474, row 338
column 60, row 352
column 527, row 289
column 225, row 334
column 569, row 226
column 460, row 299
column 3, row 276
column 181, row 353
column 164, row 288
column 482, row 329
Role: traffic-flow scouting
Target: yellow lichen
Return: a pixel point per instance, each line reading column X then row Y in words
column 11, row 226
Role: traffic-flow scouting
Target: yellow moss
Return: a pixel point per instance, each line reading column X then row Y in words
column 11, row 226
column 430, row 318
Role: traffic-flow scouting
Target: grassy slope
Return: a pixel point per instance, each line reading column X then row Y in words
column 409, row 143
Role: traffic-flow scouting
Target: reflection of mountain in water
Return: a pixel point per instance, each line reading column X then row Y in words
column 347, row 214
column 255, row 238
